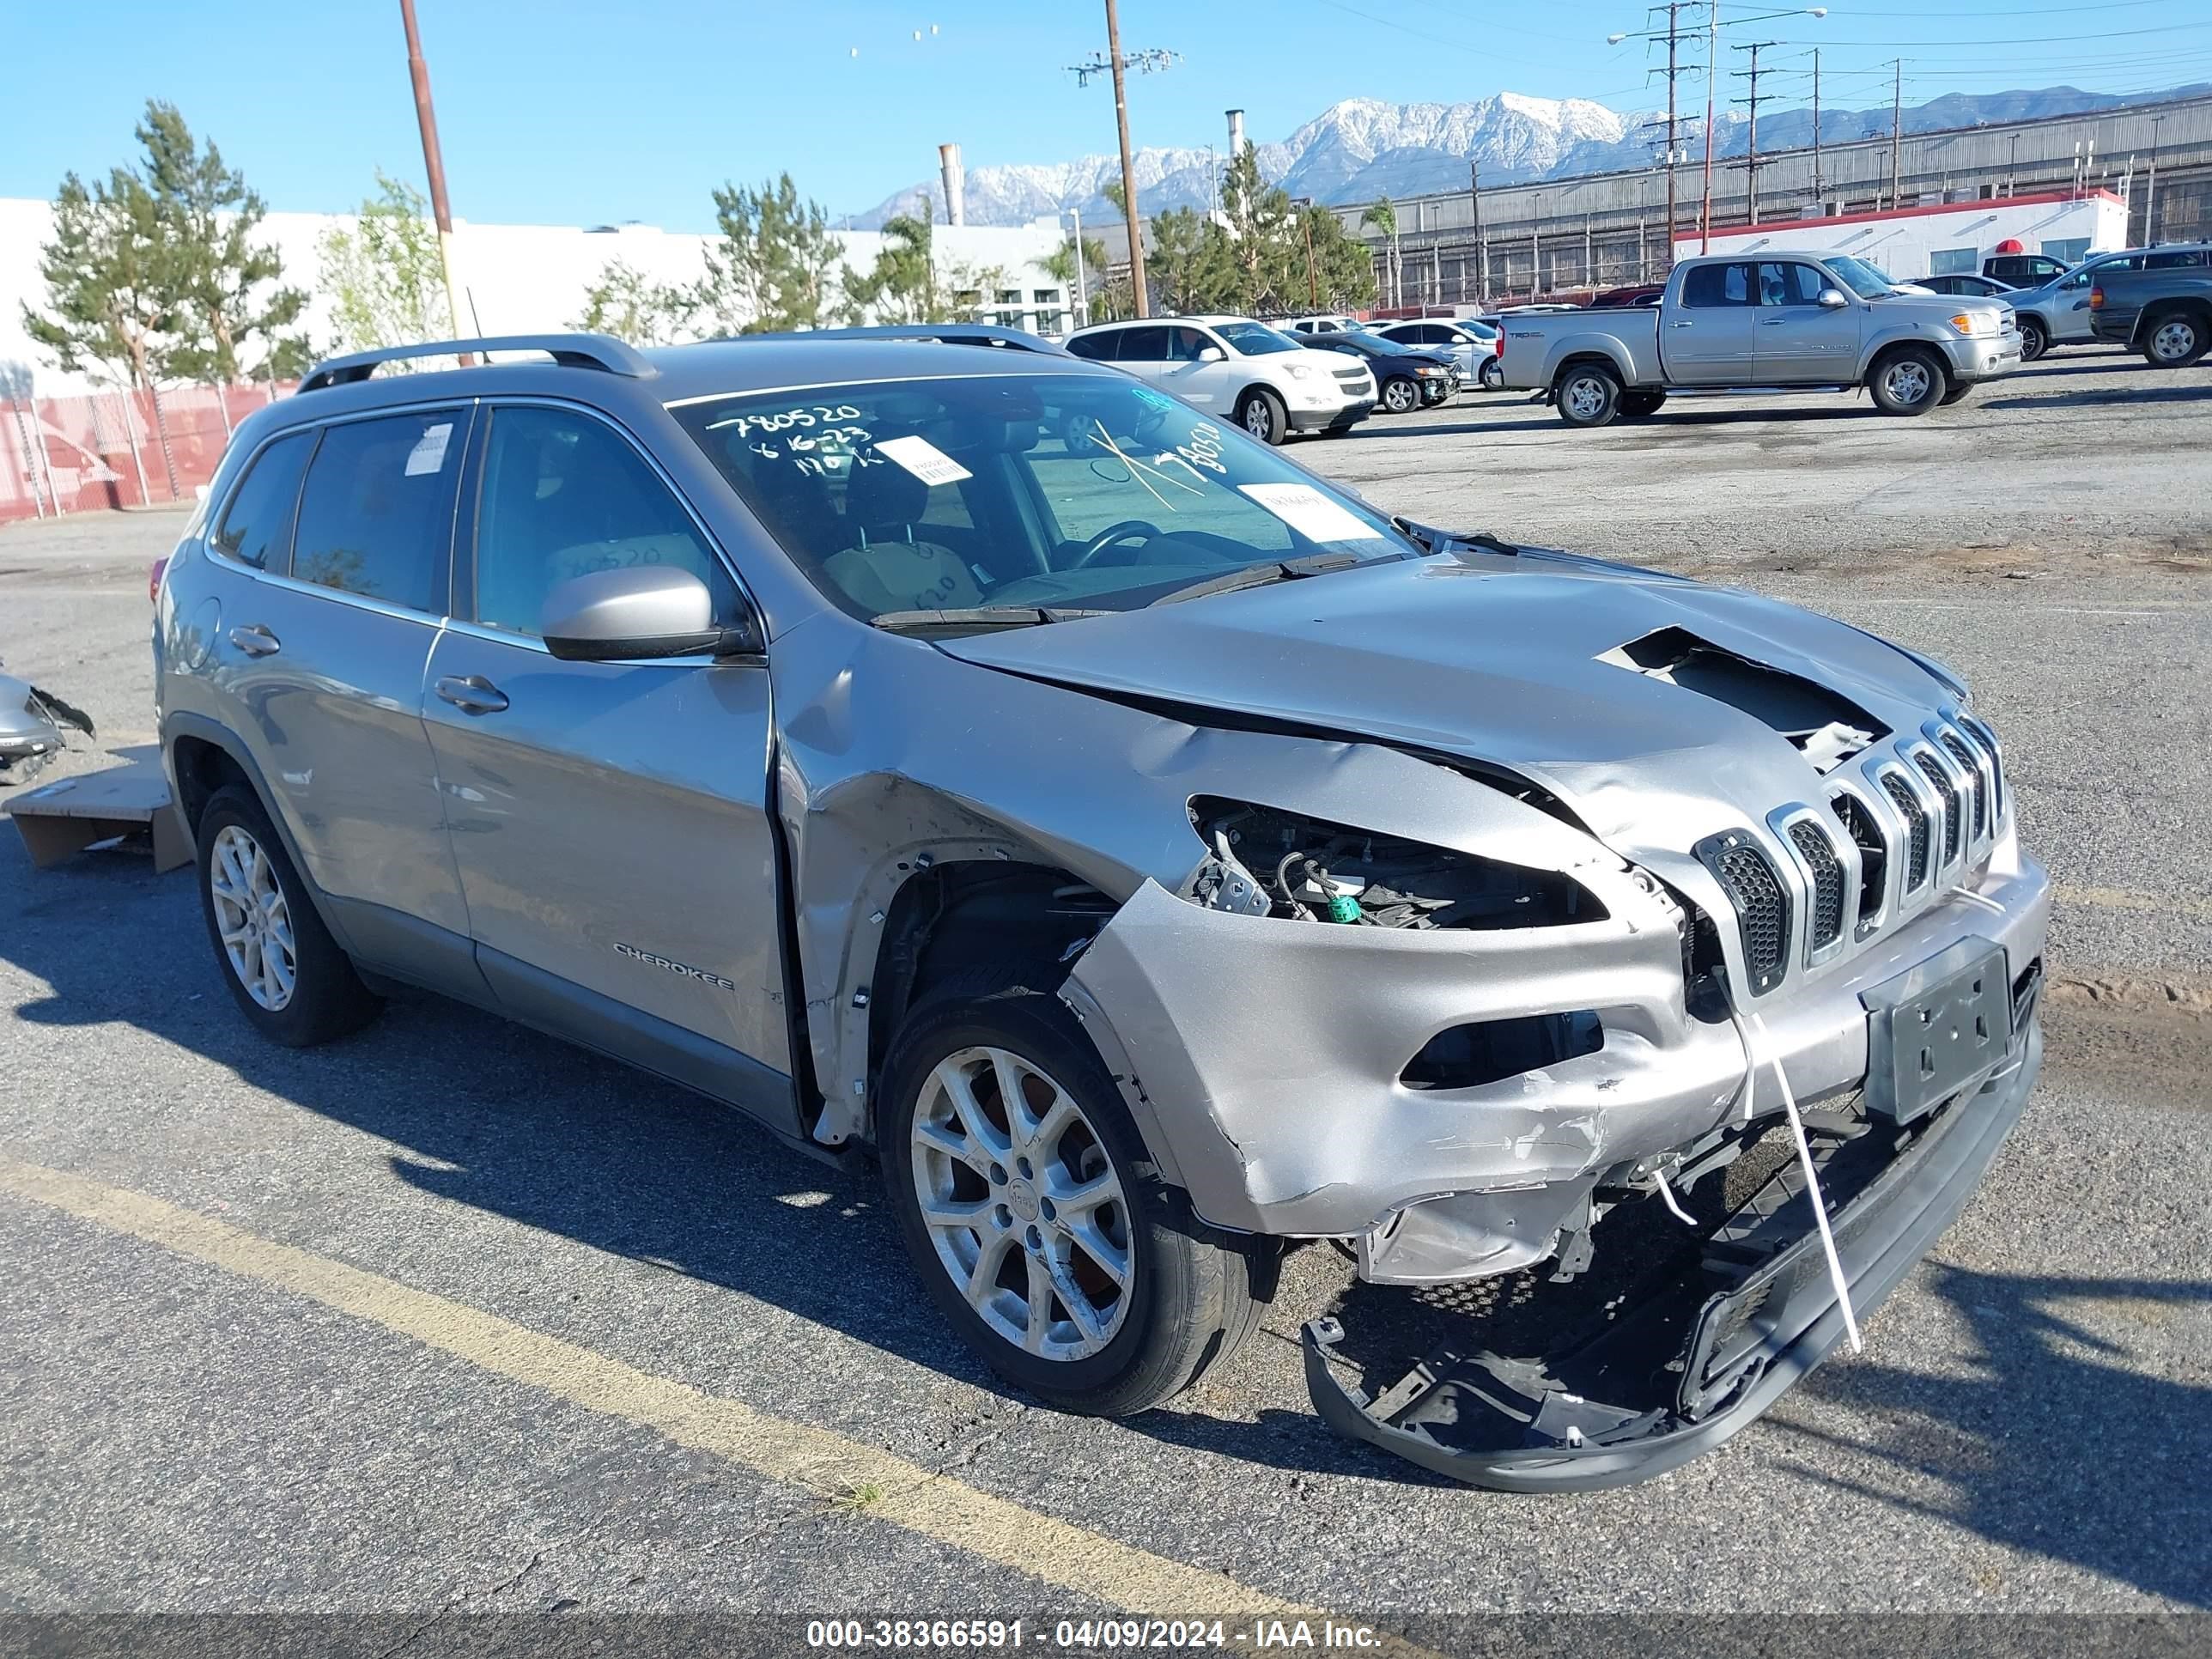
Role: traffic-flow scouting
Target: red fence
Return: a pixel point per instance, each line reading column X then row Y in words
column 61, row 455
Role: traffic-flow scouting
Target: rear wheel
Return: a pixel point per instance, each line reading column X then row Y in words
column 1639, row 401
column 1261, row 413
column 2034, row 339
column 1911, row 381
column 1493, row 375
column 1030, row 1209
column 1401, row 396
column 2174, row 340
column 1588, row 394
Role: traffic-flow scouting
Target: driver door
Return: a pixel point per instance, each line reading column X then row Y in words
column 1798, row 339
column 609, row 820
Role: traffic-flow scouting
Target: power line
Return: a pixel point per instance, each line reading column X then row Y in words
column 1753, row 102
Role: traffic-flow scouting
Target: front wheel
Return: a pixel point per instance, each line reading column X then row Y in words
column 287, row 975
column 2175, row 341
column 1588, row 394
column 1909, row 382
column 2034, row 339
column 1029, row 1207
column 1261, row 413
column 1639, row 401
column 1401, row 397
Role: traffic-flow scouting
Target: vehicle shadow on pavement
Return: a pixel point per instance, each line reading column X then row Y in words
column 2055, row 1439
column 2167, row 392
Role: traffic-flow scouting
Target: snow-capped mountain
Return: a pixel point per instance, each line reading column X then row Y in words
column 1362, row 148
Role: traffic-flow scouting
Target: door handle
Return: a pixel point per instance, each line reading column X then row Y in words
column 474, row 696
column 1772, row 322
column 1683, row 324
column 255, row 640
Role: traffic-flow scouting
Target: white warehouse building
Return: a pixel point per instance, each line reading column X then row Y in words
column 533, row 279
column 1937, row 240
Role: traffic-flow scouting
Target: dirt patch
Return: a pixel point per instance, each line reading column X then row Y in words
column 2143, row 1042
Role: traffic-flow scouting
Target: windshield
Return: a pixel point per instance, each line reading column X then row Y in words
column 1254, row 339
column 1069, row 491
column 1862, row 278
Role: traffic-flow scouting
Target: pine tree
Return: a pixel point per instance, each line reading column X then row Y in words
column 630, row 305
column 901, row 286
column 775, row 267
column 113, row 284
column 229, row 303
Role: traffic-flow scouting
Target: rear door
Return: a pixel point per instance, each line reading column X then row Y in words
column 609, row 820
column 323, row 653
column 1189, row 377
column 1707, row 339
column 1796, row 339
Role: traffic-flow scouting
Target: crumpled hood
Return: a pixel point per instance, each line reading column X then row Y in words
column 1497, row 659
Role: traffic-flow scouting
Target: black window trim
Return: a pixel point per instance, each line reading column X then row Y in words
column 463, row 566
column 307, row 429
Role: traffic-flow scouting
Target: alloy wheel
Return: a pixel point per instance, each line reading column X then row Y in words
column 1908, row 382
column 1024, row 1206
column 252, row 919
column 1398, row 397
column 1585, row 397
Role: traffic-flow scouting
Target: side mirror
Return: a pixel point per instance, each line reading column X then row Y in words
column 1832, row 298
column 1213, row 354
column 639, row 610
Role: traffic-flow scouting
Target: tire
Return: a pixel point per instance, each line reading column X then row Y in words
column 1401, row 396
column 1492, row 376
column 1908, row 382
column 1188, row 1298
column 1639, row 401
column 251, row 896
column 1261, row 413
column 2174, row 339
column 1956, row 394
column 1587, row 394
column 2034, row 339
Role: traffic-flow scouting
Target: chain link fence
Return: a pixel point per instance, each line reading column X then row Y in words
column 113, row 449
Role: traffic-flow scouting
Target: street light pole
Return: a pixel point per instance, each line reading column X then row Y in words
column 433, row 164
column 1082, row 289
column 1712, row 55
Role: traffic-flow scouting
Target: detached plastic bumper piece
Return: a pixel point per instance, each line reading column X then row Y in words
column 1691, row 1360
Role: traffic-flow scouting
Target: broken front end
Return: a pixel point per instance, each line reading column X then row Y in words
column 1637, row 1088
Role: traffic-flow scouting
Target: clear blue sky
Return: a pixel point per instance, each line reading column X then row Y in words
column 565, row 112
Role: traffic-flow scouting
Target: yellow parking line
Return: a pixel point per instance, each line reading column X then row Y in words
column 922, row 1501
column 2128, row 898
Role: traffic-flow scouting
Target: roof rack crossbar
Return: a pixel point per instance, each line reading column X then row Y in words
column 984, row 334
column 599, row 351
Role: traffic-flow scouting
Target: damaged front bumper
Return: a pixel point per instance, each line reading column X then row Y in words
column 1690, row 1363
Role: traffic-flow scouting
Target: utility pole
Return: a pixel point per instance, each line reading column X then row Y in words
column 434, row 164
column 1751, row 155
column 1819, row 201
column 1475, row 200
column 1673, row 126
column 1148, row 60
column 1896, row 125
column 2150, row 198
column 1128, row 166
column 1712, row 56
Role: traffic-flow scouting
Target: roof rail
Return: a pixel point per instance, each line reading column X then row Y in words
column 982, row 334
column 601, row 351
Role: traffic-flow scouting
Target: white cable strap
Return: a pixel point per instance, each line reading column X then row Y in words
column 1666, row 1194
column 1812, row 1176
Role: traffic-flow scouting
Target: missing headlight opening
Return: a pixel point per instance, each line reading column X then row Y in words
column 1268, row 862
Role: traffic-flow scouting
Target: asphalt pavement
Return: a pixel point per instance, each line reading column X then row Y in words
column 449, row 1319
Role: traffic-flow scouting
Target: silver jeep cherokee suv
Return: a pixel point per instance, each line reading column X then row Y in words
column 1152, row 851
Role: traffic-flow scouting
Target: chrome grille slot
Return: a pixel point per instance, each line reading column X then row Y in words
column 1972, row 763
column 1994, row 769
column 1873, row 856
column 1759, row 900
column 1825, row 922
column 1916, row 820
column 1948, row 792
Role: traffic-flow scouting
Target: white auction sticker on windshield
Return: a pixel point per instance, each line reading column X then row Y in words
column 1311, row 513
column 924, row 459
column 429, row 454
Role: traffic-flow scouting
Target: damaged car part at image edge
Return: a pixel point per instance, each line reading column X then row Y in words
column 1420, row 891
column 31, row 728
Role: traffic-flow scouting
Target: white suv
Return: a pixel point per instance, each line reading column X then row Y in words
column 1244, row 371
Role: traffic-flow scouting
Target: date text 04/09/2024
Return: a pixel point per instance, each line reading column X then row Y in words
column 1087, row 1635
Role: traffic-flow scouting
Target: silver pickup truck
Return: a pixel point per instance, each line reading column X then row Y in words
column 1729, row 323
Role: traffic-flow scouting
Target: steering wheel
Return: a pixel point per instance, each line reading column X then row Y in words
column 1127, row 530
